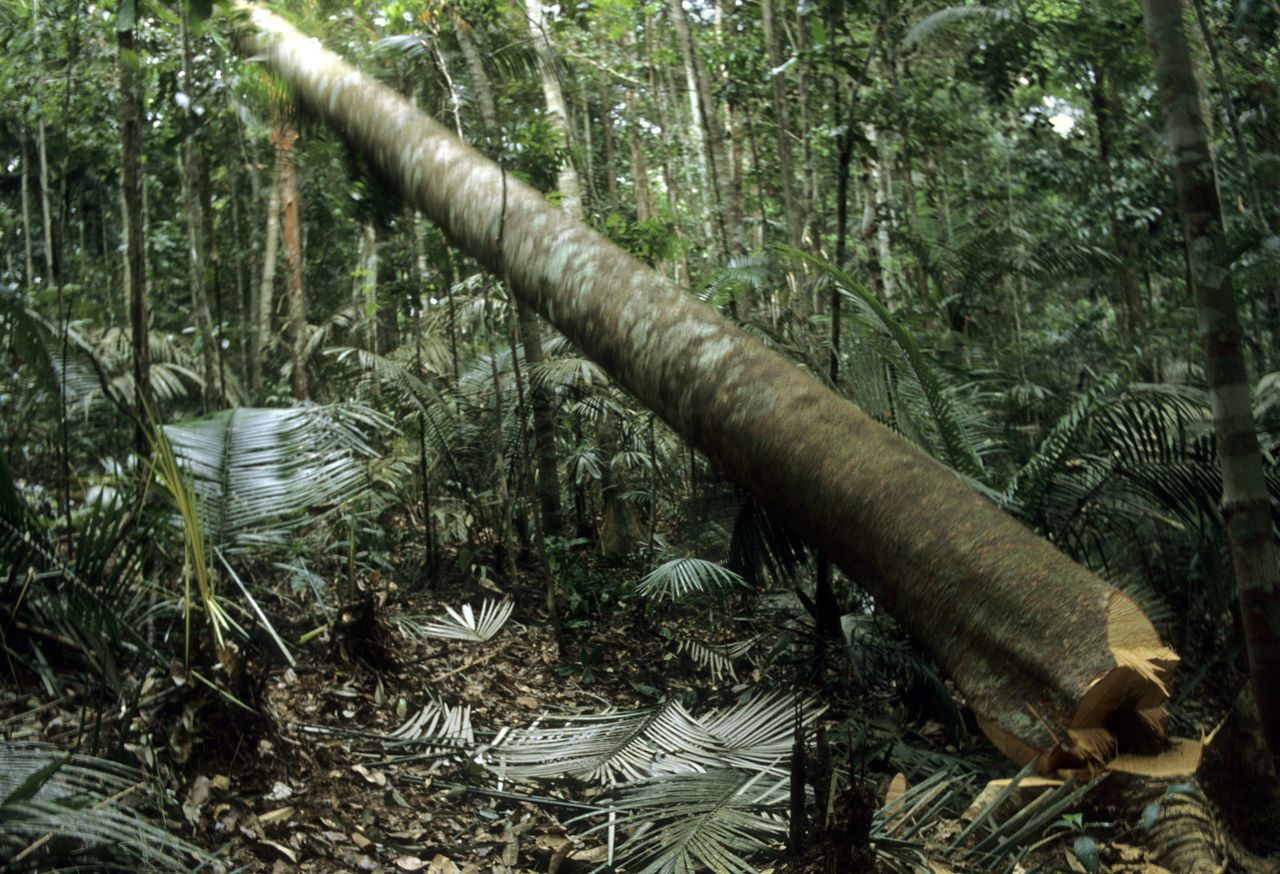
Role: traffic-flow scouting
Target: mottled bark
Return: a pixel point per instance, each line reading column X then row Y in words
column 284, row 139
column 557, row 112
column 135, row 247
column 263, row 297
column 1246, row 503
column 188, row 174
column 782, row 124
column 639, row 170
column 29, row 274
column 606, row 138
column 1043, row 650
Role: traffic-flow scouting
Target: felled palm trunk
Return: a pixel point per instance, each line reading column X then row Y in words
column 1058, row 664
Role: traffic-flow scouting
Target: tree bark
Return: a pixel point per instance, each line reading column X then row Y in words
column 263, row 299
column 285, row 139
column 135, row 246
column 782, row 125
column 1246, row 503
column 188, row 173
column 1059, row 665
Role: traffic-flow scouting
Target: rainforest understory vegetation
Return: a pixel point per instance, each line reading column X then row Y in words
column 693, row 435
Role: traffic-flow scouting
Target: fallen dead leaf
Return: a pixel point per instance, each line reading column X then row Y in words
column 278, row 815
column 442, row 864
column 409, row 863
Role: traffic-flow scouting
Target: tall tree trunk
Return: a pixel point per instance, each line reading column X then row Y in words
column 639, row 171
column 782, row 125
column 365, row 292
column 130, row 67
column 1246, row 503
column 29, row 272
column 606, row 136
column 557, row 112
column 700, row 145
column 808, row 174
column 196, row 232
column 262, row 304
column 285, row 139
column 541, row 401
column 671, row 177
column 1104, row 115
column 1057, row 663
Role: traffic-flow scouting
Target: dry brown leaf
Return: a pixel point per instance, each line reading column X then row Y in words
column 897, row 786
column 442, row 864
column 278, row 815
column 409, row 863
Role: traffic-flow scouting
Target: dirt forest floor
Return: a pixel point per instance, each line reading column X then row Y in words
column 369, row 753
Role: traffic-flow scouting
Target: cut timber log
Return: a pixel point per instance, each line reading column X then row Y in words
column 1061, row 667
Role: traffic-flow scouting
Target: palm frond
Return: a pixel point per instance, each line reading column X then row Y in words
column 608, row 748
column 88, row 804
column 716, row 658
column 465, row 624
column 259, row 472
column 930, row 25
column 570, row 371
column 680, row 577
column 1036, row 475
column 687, row 822
column 959, row 449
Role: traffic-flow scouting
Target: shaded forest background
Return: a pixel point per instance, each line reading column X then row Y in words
column 253, row 403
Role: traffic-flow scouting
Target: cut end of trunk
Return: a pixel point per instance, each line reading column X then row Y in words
column 1139, row 680
column 1120, row 714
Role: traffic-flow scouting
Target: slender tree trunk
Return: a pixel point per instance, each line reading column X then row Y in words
column 1059, row 665
column 639, row 171
column 557, row 113
column 263, row 298
column 699, row 114
column 196, row 234
column 1129, row 292
column 808, row 174
column 365, row 292
column 131, row 114
column 29, row 276
column 782, row 125
column 606, row 136
column 541, row 401
column 1246, row 503
column 671, row 177
column 870, row 230
column 285, row 141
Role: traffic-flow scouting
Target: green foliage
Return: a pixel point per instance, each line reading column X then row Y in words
column 65, row 812
column 258, row 474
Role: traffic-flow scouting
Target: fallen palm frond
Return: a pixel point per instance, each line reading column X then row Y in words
column 438, row 722
column 683, row 576
column 684, row 822
column 57, row 807
column 608, row 748
column 462, row 625
column 716, row 658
